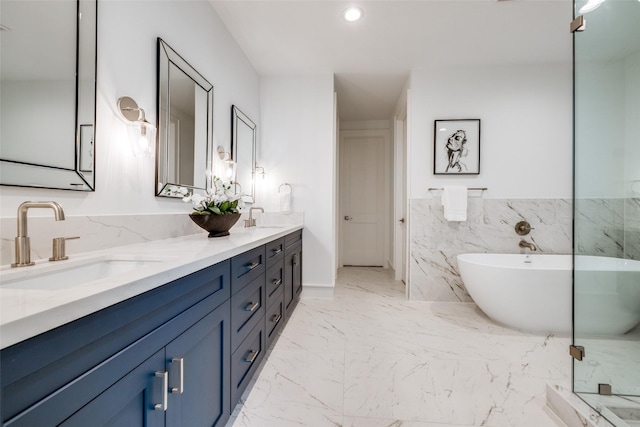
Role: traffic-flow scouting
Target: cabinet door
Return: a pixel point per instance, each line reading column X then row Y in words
column 293, row 277
column 289, row 294
column 129, row 402
column 297, row 272
column 198, row 366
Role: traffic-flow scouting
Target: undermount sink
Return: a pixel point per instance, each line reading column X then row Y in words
column 69, row 274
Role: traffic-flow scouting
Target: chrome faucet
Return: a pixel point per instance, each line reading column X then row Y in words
column 525, row 244
column 23, row 247
column 251, row 222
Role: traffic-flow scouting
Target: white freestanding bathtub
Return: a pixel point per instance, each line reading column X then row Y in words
column 534, row 292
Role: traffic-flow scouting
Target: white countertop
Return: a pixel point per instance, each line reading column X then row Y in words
column 25, row 312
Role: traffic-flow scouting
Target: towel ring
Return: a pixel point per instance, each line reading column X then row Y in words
column 285, row 185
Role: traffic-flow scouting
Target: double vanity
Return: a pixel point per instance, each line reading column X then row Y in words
column 165, row 333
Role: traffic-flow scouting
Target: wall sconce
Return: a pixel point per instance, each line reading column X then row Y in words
column 142, row 134
column 260, row 171
column 229, row 168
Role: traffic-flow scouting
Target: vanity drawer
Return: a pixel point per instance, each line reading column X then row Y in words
column 274, row 252
column 274, row 283
column 245, row 361
column 293, row 238
column 247, row 309
column 274, row 320
column 246, row 267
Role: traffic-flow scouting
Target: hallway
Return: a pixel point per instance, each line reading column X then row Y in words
column 370, row 358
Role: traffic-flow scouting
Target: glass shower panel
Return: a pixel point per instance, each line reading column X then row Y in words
column 607, row 208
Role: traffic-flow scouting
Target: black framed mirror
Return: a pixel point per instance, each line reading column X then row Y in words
column 185, row 125
column 243, row 152
column 48, row 94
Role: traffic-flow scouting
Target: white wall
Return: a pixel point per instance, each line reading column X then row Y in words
column 600, row 129
column 127, row 32
column 526, row 131
column 632, row 123
column 297, row 146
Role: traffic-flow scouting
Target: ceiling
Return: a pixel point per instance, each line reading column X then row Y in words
column 372, row 58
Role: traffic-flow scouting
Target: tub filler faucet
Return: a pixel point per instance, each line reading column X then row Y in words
column 524, row 244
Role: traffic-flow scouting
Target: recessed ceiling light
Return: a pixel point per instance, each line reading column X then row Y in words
column 353, row 14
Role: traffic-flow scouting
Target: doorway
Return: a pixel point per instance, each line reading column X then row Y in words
column 364, row 193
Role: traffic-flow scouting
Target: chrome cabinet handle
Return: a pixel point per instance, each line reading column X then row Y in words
column 177, row 379
column 276, row 318
column 164, row 377
column 347, row 218
column 276, row 251
column 295, row 259
column 252, row 356
column 252, row 266
column 277, row 282
column 251, row 306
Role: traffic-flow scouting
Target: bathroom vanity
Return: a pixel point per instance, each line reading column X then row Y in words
column 180, row 353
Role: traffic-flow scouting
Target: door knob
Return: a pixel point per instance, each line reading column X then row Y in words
column 347, row 217
column 401, row 220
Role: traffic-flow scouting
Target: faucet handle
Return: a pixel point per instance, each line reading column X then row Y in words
column 523, row 228
column 59, row 248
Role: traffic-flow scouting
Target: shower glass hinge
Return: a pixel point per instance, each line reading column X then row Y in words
column 604, row 389
column 576, row 351
column 578, row 24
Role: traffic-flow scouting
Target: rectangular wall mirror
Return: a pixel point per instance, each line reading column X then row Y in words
column 243, row 148
column 185, row 124
column 48, row 94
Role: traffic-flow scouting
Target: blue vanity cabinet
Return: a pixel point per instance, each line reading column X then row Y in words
column 136, row 342
column 292, row 271
column 179, row 355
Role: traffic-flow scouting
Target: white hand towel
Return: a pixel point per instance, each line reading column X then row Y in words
column 454, row 200
column 285, row 202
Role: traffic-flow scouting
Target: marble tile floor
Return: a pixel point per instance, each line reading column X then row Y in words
column 370, row 358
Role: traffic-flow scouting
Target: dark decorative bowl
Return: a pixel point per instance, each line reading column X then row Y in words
column 216, row 225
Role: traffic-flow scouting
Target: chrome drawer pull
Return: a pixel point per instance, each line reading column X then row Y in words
column 276, row 318
column 252, row 266
column 164, row 376
column 276, row 251
column 177, row 367
column 277, row 282
column 251, row 306
column 252, row 356
column 295, row 259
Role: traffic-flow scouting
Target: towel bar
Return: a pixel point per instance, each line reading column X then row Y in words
column 285, row 184
column 470, row 188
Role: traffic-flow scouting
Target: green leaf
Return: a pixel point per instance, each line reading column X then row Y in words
column 216, row 210
column 224, row 206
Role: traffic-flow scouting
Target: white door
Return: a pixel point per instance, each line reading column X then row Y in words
column 362, row 197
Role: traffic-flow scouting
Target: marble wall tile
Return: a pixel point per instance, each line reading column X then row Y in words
column 599, row 227
column 96, row 232
column 632, row 228
column 435, row 242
